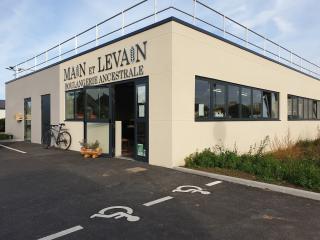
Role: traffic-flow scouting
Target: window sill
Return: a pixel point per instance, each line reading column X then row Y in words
column 237, row 120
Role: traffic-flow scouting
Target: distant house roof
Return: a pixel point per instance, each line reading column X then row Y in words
column 2, row 104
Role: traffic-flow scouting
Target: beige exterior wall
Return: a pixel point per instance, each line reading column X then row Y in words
column 33, row 86
column 157, row 67
column 175, row 55
column 195, row 53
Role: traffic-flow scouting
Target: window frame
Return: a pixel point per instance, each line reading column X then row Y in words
column 98, row 119
column 74, row 119
column 304, row 111
column 204, row 118
column 226, row 118
column 65, row 105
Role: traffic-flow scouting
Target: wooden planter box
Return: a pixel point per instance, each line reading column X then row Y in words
column 87, row 152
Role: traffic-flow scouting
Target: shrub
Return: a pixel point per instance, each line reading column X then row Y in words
column 299, row 164
column 5, row 136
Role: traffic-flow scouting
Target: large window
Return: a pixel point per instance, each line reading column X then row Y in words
column 70, row 105
column 256, row 103
column 275, row 105
column 74, row 105
column 294, row 107
column 97, row 104
column 246, row 104
column 79, row 105
column 219, row 100
column 305, row 108
column 266, row 104
column 202, row 101
column 233, row 101
column 314, row 109
column 300, row 108
column 290, row 106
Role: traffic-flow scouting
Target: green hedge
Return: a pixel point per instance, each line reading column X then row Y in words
column 302, row 172
column 5, row 136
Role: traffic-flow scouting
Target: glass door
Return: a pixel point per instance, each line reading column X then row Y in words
column 97, row 121
column 27, row 119
column 141, row 120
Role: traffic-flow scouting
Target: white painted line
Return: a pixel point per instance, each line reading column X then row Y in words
column 13, row 149
column 148, row 204
column 62, row 233
column 272, row 187
column 213, row 183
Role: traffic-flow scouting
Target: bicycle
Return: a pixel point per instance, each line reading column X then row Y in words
column 61, row 136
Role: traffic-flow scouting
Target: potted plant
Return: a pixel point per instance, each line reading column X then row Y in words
column 96, row 150
column 90, row 149
column 84, row 147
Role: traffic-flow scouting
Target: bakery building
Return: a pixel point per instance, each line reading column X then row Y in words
column 164, row 91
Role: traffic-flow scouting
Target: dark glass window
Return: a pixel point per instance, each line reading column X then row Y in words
column 266, row 105
column 141, row 139
column 256, row 103
column 314, row 109
column 219, row 100
column 69, row 105
column 289, row 107
column 246, row 102
column 79, row 105
column 104, row 103
column 202, row 99
column 310, row 108
column 275, row 105
column 97, row 104
column 305, row 108
column 233, row 101
column 300, row 108
column 92, row 104
column 294, row 107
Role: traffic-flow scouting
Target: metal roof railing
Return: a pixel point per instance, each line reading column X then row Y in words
column 147, row 12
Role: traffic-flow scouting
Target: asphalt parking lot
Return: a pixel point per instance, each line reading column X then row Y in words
column 53, row 194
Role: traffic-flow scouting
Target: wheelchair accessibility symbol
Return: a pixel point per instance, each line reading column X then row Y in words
column 190, row 189
column 118, row 212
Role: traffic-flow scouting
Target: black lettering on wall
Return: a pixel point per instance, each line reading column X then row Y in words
column 141, row 52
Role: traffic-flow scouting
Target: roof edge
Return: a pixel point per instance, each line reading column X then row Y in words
column 151, row 26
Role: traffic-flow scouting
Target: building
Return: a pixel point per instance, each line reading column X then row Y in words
column 2, row 109
column 160, row 93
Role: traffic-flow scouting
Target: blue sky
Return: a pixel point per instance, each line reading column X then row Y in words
column 28, row 27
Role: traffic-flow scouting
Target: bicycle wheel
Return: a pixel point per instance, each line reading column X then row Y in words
column 46, row 139
column 64, row 141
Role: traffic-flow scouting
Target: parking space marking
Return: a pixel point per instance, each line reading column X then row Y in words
column 160, row 200
column 213, row 183
column 13, row 149
column 62, row 233
column 118, row 214
column 191, row 189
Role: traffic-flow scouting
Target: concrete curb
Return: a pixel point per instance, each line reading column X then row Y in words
column 272, row 187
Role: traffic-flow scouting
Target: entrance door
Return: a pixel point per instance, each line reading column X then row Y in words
column 141, row 120
column 97, row 120
column 27, row 119
column 45, row 114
